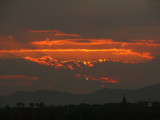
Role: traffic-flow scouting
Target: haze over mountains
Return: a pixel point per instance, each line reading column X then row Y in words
column 99, row 97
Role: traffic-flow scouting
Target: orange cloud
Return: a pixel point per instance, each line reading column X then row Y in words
column 15, row 77
column 101, row 79
column 87, row 56
column 79, row 55
column 48, row 42
column 55, row 33
column 16, row 80
column 92, row 42
column 70, row 64
column 134, row 49
column 86, row 51
column 148, row 42
column 69, row 35
column 140, row 46
column 8, row 42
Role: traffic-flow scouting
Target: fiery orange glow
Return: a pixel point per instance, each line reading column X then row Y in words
column 92, row 42
column 48, row 42
column 73, row 52
column 87, row 56
column 124, row 51
column 70, row 67
column 70, row 64
column 43, row 60
column 79, row 50
column 140, row 48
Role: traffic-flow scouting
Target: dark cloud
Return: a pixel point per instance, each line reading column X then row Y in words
column 83, row 41
column 131, row 75
column 119, row 20
column 48, row 76
column 16, row 80
column 127, row 75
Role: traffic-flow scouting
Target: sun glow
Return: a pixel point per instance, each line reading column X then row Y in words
column 84, row 55
column 77, row 54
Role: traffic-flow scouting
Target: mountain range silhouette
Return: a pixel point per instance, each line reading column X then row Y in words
column 99, row 97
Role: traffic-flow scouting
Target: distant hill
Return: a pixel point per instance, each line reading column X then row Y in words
column 99, row 97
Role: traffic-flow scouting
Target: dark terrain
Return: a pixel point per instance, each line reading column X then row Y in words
column 100, row 97
column 106, row 104
column 110, row 111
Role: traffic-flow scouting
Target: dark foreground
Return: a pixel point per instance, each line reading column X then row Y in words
column 112, row 111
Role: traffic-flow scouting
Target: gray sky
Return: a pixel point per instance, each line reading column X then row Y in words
column 119, row 20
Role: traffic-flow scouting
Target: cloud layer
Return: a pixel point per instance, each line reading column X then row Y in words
column 78, row 46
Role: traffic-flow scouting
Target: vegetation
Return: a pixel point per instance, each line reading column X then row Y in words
column 110, row 111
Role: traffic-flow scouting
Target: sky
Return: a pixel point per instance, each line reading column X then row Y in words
column 78, row 46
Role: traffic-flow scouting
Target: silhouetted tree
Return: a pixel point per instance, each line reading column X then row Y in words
column 20, row 104
column 8, row 107
column 40, row 105
column 108, row 111
column 31, row 105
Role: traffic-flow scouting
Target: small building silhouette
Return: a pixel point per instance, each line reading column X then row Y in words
column 149, row 103
column 124, row 101
column 124, row 105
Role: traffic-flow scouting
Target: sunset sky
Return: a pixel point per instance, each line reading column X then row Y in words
column 78, row 46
